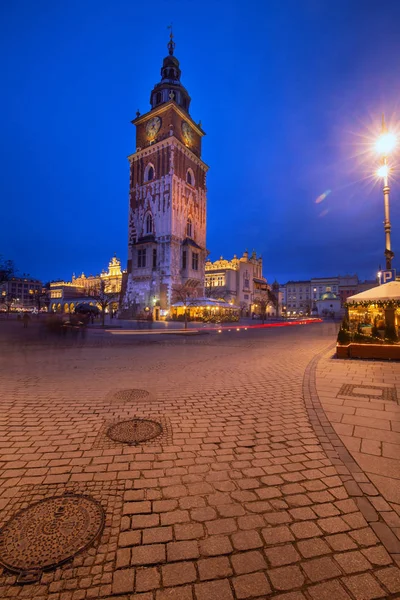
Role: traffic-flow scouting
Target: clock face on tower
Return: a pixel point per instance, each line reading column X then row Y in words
column 152, row 127
column 187, row 133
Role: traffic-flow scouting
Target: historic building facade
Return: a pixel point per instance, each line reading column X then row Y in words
column 65, row 295
column 21, row 293
column 321, row 295
column 167, row 211
column 239, row 281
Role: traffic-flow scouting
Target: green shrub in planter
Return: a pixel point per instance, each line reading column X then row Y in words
column 344, row 336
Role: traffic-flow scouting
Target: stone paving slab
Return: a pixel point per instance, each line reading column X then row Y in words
column 251, row 494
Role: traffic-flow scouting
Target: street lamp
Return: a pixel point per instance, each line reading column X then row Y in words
column 384, row 145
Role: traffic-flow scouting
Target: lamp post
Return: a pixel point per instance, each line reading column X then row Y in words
column 385, row 144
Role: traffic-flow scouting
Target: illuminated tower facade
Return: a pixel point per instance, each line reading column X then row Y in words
column 167, row 198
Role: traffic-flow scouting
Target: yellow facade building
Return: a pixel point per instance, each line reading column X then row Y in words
column 65, row 295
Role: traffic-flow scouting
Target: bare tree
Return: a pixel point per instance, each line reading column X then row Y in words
column 7, row 269
column 274, row 300
column 8, row 300
column 184, row 293
column 38, row 298
column 103, row 299
column 264, row 299
column 243, row 308
column 218, row 292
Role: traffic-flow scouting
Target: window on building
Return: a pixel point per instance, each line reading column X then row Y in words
column 149, row 173
column 189, row 227
column 190, row 177
column 149, row 224
column 158, row 98
column 184, row 261
column 154, row 258
column 195, row 261
column 141, row 263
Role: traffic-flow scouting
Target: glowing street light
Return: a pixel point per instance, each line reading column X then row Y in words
column 383, row 171
column 384, row 145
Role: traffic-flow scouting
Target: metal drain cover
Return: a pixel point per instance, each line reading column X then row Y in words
column 134, row 431
column 46, row 534
column 131, row 395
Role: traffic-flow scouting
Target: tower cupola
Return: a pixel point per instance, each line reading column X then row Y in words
column 170, row 87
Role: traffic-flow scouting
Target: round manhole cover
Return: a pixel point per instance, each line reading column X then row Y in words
column 48, row 533
column 134, row 431
column 131, row 395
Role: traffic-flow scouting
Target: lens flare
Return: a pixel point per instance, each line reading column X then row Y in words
column 323, row 213
column 383, row 171
column 386, row 143
column 322, row 196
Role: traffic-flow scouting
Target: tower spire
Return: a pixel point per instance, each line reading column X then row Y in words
column 170, row 86
column 171, row 43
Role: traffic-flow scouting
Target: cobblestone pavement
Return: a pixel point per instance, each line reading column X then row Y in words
column 247, row 493
column 361, row 401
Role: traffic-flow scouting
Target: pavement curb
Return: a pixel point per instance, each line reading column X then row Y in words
column 357, row 484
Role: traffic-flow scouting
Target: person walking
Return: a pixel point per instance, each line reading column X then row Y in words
column 25, row 320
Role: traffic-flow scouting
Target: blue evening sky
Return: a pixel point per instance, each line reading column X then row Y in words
column 290, row 93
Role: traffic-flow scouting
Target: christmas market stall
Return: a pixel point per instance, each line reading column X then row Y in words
column 207, row 310
column 371, row 326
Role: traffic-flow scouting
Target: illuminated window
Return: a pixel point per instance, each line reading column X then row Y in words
column 141, row 263
column 149, row 224
column 195, row 261
column 189, row 227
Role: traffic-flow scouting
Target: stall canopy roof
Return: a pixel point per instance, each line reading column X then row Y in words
column 387, row 291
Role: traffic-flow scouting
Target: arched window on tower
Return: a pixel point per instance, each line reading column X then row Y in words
column 149, row 224
column 158, row 98
column 149, row 173
column 190, row 177
column 189, row 228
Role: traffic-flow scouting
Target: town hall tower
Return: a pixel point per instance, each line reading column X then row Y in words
column 167, row 212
